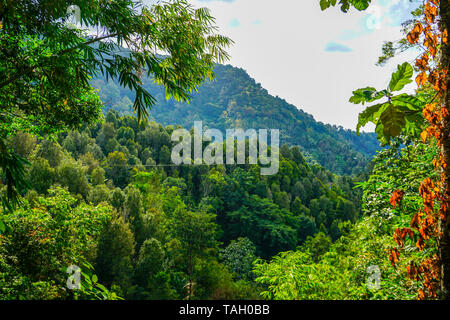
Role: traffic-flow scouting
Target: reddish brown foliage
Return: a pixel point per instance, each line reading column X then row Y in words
column 396, row 198
column 425, row 223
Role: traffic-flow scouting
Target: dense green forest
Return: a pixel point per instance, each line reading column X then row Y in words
column 207, row 224
column 235, row 100
column 94, row 207
column 151, row 229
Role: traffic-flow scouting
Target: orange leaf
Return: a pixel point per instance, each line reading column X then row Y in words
column 421, row 78
column 445, row 36
column 424, row 135
column 397, row 196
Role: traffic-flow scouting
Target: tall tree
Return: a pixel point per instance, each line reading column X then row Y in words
column 46, row 63
column 197, row 233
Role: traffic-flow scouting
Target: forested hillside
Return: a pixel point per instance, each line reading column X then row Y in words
column 159, row 228
column 235, row 100
column 94, row 206
column 107, row 198
column 357, row 265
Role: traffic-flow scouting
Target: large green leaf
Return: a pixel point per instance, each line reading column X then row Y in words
column 406, row 100
column 393, row 121
column 415, row 123
column 325, row 4
column 371, row 114
column 401, row 77
column 402, row 113
column 345, row 4
column 360, row 4
column 368, row 94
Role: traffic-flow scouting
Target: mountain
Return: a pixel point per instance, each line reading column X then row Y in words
column 235, row 100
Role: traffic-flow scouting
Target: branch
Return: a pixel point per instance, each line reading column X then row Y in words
column 86, row 43
column 62, row 52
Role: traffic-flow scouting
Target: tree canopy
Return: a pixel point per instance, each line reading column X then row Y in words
column 47, row 63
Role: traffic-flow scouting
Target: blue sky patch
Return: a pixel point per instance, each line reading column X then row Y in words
column 337, row 47
column 234, row 23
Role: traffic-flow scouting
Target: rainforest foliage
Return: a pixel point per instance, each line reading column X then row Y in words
column 161, row 231
column 235, row 100
column 94, row 208
column 345, row 268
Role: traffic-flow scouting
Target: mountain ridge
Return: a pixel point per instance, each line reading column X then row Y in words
column 234, row 100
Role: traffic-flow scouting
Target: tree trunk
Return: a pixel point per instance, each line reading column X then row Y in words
column 444, row 241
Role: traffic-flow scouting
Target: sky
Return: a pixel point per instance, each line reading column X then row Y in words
column 311, row 58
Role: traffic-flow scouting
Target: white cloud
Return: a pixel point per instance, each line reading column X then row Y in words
column 285, row 51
